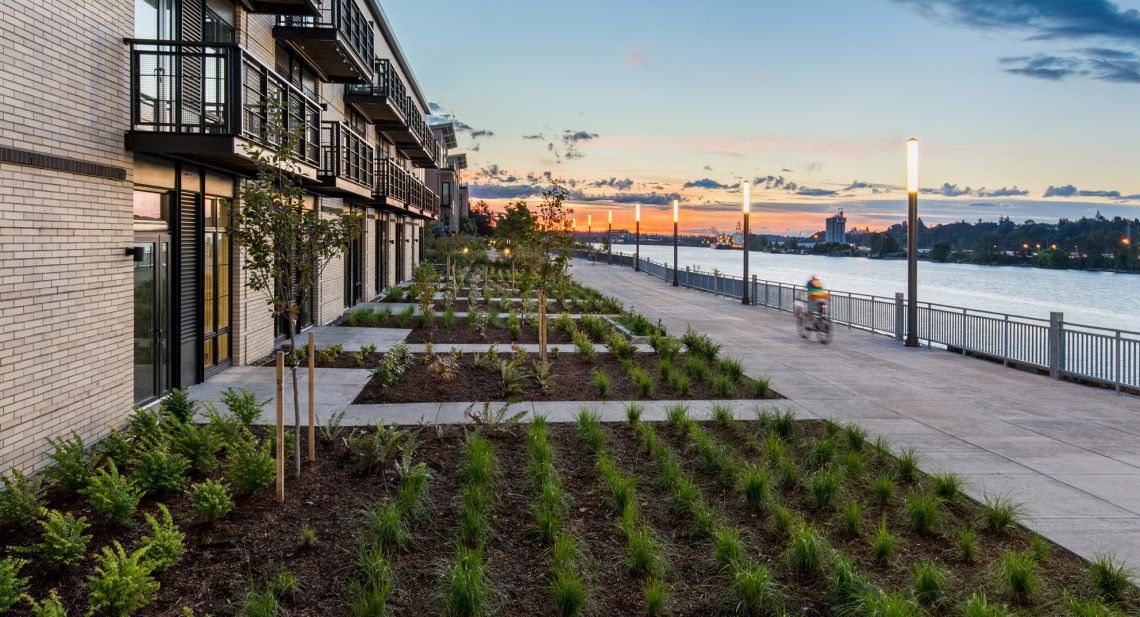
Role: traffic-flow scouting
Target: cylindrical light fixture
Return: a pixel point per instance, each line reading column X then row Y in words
column 610, row 236
column 676, row 216
column 746, row 207
column 637, row 245
column 912, row 242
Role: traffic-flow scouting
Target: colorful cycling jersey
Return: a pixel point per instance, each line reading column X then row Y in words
column 815, row 290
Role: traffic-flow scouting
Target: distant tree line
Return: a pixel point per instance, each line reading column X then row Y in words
column 1094, row 243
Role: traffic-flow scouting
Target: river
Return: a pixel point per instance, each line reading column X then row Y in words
column 1106, row 299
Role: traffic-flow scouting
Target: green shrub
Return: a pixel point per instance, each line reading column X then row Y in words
column 157, row 469
column 620, row 346
column 369, row 597
column 480, row 460
column 1000, row 513
column 385, row 526
column 164, row 546
column 784, row 424
column 723, row 387
column 884, row 488
column 71, row 466
column 822, row 452
column 584, row 346
column 1092, row 607
column 308, row 536
column 906, row 466
column 883, row 545
column 929, row 583
column 856, row 436
column 112, row 495
column 121, row 583
column 1039, row 548
column 700, row 345
column 115, row 447
column 601, row 383
column 12, row 585
column 848, row 586
column 145, row 425
column 697, row 367
column 655, row 593
column 50, row 607
column 853, row 519
column 879, row 603
column 243, row 404
column 968, row 546
column 755, row 485
column 807, row 552
column 921, row 510
column 755, row 590
column 590, row 431
column 666, row 346
column 467, row 590
column 642, row 556
column 226, row 428
column 20, row 501
column 251, row 467
column 728, row 548
column 1019, row 575
column 197, row 445
column 733, row 368
column 569, row 591
column 1109, row 577
column 63, row 542
column 947, row 485
column 177, row 406
column 760, row 387
column 595, row 327
column 977, row 606
column 853, row 464
column 680, row 384
column 824, row 486
column 210, row 500
column 257, row 601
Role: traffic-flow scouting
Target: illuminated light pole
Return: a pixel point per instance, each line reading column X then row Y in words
column 637, row 242
column 573, row 230
column 746, row 207
column 589, row 232
column 610, row 236
column 676, row 212
column 912, row 242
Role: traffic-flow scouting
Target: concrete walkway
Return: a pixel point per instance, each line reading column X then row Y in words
column 1069, row 453
column 352, row 339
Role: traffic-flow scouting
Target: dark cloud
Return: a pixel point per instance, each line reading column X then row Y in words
column 1010, row 191
column 621, row 184
column 482, row 133
column 708, row 167
column 573, row 137
column 709, row 183
column 536, row 136
column 503, row 191
column 434, row 107
column 1069, row 190
column 949, row 190
column 1049, row 20
column 788, row 171
column 803, row 190
column 654, row 198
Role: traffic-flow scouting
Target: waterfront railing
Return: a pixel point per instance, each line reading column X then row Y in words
column 1102, row 356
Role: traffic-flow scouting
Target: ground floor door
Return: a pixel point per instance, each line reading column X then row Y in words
column 401, row 251
column 152, row 316
column 381, row 255
column 354, row 272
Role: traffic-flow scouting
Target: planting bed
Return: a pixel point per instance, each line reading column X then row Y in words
column 665, row 475
column 573, row 379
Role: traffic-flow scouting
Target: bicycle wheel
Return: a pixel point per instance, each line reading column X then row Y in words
column 800, row 321
column 823, row 331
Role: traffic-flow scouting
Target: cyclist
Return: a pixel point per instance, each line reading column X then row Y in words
column 816, row 294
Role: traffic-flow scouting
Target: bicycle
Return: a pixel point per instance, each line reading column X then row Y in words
column 817, row 322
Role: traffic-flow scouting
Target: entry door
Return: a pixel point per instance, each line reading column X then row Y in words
column 381, row 256
column 400, row 248
column 354, row 272
column 152, row 317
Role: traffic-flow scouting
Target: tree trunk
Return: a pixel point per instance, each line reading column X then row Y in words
column 296, row 400
column 542, row 325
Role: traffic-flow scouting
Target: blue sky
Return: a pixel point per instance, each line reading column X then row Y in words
column 638, row 100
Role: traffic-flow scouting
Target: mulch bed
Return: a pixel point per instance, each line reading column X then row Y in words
column 573, row 381
column 260, row 537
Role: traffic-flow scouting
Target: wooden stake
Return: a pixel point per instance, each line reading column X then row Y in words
column 280, row 427
column 312, row 396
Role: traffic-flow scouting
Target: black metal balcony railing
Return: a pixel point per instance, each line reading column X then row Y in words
column 385, row 83
column 345, row 17
column 218, row 89
column 393, row 182
column 346, row 154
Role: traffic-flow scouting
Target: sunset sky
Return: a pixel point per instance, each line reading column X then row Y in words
column 1024, row 108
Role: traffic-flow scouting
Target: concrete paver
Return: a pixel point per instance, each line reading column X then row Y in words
column 1069, row 453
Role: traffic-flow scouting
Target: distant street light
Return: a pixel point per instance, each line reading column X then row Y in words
column 676, row 212
column 610, row 236
column 912, row 242
column 746, row 206
column 637, row 245
column 589, row 233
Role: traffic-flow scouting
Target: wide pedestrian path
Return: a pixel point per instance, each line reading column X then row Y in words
column 1069, row 453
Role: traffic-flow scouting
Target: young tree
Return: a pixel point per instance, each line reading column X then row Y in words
column 286, row 245
column 546, row 253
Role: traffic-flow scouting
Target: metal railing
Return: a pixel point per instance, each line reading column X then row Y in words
column 392, row 181
column 385, row 82
column 345, row 17
column 1104, row 356
column 346, row 154
column 217, row 89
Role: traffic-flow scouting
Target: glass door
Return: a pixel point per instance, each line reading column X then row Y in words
column 152, row 317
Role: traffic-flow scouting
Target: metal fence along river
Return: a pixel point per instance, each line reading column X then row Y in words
column 1099, row 355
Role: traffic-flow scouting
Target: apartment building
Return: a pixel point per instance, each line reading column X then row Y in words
column 447, row 182
column 124, row 127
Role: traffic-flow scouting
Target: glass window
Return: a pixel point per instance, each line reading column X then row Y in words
column 151, row 206
column 216, row 275
column 215, row 29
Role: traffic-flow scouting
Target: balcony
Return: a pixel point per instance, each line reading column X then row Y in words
column 348, row 167
column 417, row 141
column 337, row 43
column 282, row 7
column 211, row 102
column 382, row 99
column 397, row 189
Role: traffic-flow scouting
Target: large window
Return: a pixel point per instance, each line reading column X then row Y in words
column 154, row 19
column 445, row 194
column 215, row 282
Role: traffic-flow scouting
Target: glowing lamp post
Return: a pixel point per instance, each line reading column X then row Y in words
column 589, row 232
column 912, row 243
column 610, row 236
column 637, row 235
column 746, row 207
column 676, row 212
